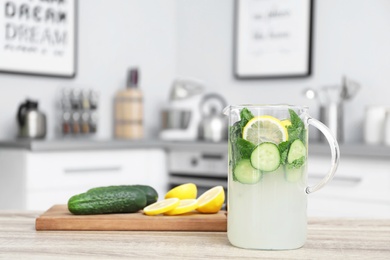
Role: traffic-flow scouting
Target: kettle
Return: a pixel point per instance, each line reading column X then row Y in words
column 31, row 122
column 213, row 126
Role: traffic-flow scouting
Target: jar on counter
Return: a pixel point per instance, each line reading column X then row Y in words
column 374, row 124
column 387, row 128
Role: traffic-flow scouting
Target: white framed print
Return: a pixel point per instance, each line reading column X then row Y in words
column 273, row 38
column 38, row 37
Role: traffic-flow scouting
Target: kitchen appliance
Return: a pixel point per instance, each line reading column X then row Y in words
column 31, row 122
column 203, row 164
column 213, row 126
column 181, row 117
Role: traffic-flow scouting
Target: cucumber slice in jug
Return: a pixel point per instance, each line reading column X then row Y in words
column 266, row 157
column 297, row 151
column 245, row 173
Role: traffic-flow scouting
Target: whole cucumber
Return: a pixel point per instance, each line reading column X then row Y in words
column 150, row 192
column 106, row 200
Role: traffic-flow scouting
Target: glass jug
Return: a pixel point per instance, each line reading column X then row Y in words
column 267, row 181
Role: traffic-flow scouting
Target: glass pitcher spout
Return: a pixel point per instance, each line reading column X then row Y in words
column 226, row 110
column 231, row 110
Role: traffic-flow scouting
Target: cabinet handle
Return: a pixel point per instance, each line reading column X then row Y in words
column 212, row 156
column 338, row 180
column 96, row 169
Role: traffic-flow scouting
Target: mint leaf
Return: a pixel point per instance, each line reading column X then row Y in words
column 297, row 128
column 295, row 119
column 235, row 131
column 236, row 128
column 240, row 148
column 244, row 148
column 245, row 115
column 296, row 164
column 283, row 150
column 294, row 133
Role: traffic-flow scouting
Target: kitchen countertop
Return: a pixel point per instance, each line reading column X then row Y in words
column 364, row 150
column 327, row 239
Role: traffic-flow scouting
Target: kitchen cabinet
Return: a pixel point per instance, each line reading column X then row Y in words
column 37, row 174
column 37, row 180
column 360, row 187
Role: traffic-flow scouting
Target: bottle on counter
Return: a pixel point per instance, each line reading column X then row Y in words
column 66, row 125
column 85, row 101
column 129, row 109
column 85, row 123
column 76, row 123
column 93, row 122
column 75, row 99
column 93, row 99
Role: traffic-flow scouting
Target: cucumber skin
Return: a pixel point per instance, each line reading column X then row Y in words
column 106, row 200
column 150, row 192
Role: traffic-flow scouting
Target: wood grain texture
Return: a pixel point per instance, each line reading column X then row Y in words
column 327, row 239
column 59, row 218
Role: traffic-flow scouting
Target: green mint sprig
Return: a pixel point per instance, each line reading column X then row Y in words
column 295, row 131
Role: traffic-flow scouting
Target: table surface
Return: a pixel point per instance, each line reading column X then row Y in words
column 327, row 239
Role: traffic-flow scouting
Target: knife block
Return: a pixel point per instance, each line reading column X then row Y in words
column 129, row 114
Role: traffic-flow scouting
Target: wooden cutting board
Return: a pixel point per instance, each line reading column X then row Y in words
column 59, row 218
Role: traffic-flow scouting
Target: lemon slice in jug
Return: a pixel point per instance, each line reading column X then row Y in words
column 265, row 129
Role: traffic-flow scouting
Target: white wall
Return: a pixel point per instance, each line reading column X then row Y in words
column 351, row 37
column 113, row 35
column 195, row 38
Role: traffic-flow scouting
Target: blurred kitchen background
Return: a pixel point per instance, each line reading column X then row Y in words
column 186, row 47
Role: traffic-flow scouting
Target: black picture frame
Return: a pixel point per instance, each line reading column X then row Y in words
column 41, row 56
column 255, row 72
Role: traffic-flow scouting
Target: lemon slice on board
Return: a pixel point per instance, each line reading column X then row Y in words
column 212, row 200
column 184, row 191
column 265, row 129
column 161, row 206
column 185, row 206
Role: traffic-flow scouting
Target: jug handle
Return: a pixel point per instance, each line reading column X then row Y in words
column 335, row 154
column 21, row 110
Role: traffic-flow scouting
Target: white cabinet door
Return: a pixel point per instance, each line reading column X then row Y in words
column 87, row 169
column 360, row 188
column 53, row 177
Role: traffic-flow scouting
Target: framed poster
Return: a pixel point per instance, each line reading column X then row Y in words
column 273, row 38
column 38, row 37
